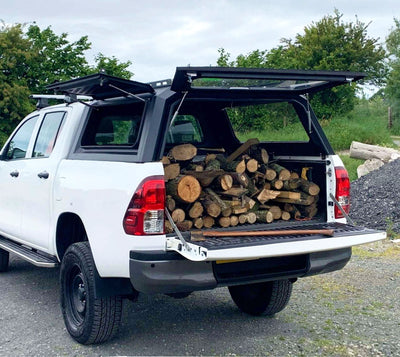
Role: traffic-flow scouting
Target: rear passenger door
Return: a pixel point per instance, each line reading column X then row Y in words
column 36, row 184
column 13, row 163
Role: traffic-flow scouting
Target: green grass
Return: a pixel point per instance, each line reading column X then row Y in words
column 351, row 166
column 367, row 123
column 293, row 132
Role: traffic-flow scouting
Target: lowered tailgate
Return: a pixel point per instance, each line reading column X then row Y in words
column 198, row 248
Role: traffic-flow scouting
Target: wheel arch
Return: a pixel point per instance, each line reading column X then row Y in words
column 70, row 229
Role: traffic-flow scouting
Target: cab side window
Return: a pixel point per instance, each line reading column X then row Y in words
column 185, row 129
column 48, row 133
column 18, row 145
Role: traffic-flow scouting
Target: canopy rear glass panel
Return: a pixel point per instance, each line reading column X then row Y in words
column 284, row 81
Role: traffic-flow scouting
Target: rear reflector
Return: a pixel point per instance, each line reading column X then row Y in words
column 145, row 213
column 342, row 191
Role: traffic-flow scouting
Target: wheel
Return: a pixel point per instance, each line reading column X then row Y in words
column 262, row 298
column 4, row 258
column 87, row 319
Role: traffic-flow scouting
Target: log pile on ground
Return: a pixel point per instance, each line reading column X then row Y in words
column 215, row 190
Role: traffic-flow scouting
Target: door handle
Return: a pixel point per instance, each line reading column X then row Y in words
column 14, row 173
column 43, row 175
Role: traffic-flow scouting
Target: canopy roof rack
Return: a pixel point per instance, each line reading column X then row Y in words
column 43, row 99
column 101, row 86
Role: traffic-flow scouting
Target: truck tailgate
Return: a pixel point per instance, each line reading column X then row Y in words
column 253, row 247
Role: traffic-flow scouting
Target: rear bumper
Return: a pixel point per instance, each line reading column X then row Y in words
column 169, row 272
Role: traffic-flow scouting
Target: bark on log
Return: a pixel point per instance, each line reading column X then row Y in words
column 168, row 227
column 170, row 203
column 171, row 171
column 206, row 177
column 309, row 211
column 183, row 152
column 283, row 174
column 264, row 216
column 184, row 188
column 260, row 154
column 242, row 148
column 292, row 184
column 277, row 184
column 293, row 210
column 184, row 226
column 240, row 179
column 234, row 166
column 196, row 210
column 269, row 174
column 178, row 215
column 365, row 151
column 294, row 175
column 211, row 207
column 309, row 187
column 213, row 165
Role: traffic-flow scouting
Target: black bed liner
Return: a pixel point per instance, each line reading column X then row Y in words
column 341, row 230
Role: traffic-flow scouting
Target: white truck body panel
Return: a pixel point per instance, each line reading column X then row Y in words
column 99, row 193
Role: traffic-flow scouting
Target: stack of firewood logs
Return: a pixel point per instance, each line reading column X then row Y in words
column 245, row 187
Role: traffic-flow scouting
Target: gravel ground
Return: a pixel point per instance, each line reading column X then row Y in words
column 375, row 198
column 352, row 312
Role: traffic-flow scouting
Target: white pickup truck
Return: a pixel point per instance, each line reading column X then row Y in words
column 82, row 187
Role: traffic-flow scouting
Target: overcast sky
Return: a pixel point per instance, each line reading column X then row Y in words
column 159, row 35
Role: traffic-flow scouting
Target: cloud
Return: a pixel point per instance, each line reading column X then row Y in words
column 158, row 35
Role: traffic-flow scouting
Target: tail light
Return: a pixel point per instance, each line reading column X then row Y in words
column 342, row 191
column 145, row 213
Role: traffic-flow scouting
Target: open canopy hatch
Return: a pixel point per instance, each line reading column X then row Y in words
column 101, row 86
column 277, row 80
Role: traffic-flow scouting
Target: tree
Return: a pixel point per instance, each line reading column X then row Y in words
column 31, row 58
column 392, row 91
column 15, row 52
column 112, row 66
column 329, row 44
column 59, row 59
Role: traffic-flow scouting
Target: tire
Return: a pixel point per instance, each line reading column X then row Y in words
column 262, row 298
column 4, row 259
column 87, row 319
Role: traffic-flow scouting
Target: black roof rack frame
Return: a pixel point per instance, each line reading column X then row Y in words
column 101, row 86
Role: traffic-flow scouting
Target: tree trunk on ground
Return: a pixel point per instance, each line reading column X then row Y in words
column 364, row 151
